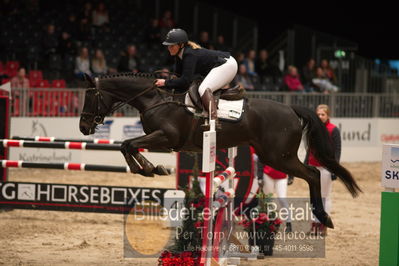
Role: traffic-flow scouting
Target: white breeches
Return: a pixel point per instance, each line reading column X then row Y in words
column 219, row 76
column 278, row 186
column 326, row 188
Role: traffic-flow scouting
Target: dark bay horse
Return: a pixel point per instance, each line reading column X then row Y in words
column 273, row 129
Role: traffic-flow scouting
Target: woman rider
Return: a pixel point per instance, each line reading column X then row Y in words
column 191, row 60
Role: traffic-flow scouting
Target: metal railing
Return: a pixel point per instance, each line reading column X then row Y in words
column 69, row 102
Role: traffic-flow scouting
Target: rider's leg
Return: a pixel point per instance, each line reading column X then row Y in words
column 216, row 79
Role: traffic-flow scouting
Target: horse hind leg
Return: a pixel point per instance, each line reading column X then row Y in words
column 293, row 166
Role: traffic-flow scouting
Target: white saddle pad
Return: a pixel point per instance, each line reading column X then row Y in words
column 229, row 110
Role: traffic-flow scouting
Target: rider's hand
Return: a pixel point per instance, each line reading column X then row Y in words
column 160, row 82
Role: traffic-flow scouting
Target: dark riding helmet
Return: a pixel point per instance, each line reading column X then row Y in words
column 175, row 36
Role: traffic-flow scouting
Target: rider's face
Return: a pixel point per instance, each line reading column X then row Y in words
column 173, row 49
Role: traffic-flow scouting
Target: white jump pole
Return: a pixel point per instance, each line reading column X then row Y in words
column 208, row 167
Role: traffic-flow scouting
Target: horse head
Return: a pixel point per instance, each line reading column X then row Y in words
column 97, row 105
column 102, row 93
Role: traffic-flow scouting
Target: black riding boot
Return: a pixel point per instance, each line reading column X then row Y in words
column 209, row 101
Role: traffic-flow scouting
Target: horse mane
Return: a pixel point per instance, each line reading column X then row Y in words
column 128, row 75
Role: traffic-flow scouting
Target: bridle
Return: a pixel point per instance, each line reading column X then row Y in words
column 98, row 117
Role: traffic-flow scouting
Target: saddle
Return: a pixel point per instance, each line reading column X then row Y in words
column 230, row 94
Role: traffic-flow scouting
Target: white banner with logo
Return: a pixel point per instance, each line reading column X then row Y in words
column 390, row 166
column 362, row 139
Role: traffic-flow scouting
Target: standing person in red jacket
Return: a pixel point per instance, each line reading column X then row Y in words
column 276, row 181
column 326, row 178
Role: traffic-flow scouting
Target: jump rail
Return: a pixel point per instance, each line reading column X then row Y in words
column 54, row 139
column 65, row 166
column 59, row 145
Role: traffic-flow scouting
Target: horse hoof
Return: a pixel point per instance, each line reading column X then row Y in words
column 160, row 170
column 328, row 222
column 146, row 173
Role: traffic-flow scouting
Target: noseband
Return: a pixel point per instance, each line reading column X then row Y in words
column 98, row 118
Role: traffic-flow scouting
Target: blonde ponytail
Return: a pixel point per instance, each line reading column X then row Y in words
column 193, row 45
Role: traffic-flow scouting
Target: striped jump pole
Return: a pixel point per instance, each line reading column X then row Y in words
column 7, row 143
column 65, row 166
column 54, row 139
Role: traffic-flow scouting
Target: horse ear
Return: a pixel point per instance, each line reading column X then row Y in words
column 88, row 79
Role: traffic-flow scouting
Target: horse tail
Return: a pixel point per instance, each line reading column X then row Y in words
column 320, row 144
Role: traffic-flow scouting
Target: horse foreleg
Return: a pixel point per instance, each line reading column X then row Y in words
column 133, row 165
column 156, row 139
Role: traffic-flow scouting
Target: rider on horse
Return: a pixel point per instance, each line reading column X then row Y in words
column 218, row 67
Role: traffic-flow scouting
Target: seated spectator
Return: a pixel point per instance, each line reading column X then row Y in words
column 249, row 62
column 82, row 63
column 71, row 26
column 166, row 23
column 100, row 16
column 20, row 81
column 292, row 81
column 327, row 70
column 239, row 56
column 49, row 43
column 268, row 72
column 98, row 63
column 244, row 79
column 87, row 12
column 154, row 32
column 220, row 44
column 129, row 62
column 84, row 30
column 66, row 46
column 204, row 40
column 308, row 73
column 322, row 83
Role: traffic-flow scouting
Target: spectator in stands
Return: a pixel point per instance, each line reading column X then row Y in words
column 244, row 79
column 20, row 81
column 98, row 63
column 100, row 17
column 328, row 71
column 84, row 30
column 87, row 12
column 240, row 56
column 72, row 26
column 166, row 23
column 292, row 81
column 268, row 72
column 82, row 64
column 321, row 83
column 221, row 45
column 129, row 62
column 308, row 73
column 167, row 19
column 154, row 32
column 204, row 40
column 66, row 46
column 49, row 43
column 249, row 62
